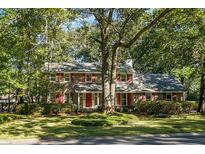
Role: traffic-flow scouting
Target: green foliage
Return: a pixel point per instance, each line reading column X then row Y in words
column 54, row 108
column 28, row 108
column 164, row 107
column 99, row 119
column 91, row 122
column 9, row 117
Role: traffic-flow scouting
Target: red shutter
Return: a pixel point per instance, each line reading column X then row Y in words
column 174, row 97
column 82, row 77
column 93, row 77
column 118, row 78
column 129, row 77
column 129, row 99
column 119, row 102
column 59, row 98
column 164, row 97
column 72, row 77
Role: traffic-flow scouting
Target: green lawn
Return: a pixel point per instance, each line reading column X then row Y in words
column 61, row 127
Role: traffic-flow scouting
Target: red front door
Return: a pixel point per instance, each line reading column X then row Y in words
column 88, row 100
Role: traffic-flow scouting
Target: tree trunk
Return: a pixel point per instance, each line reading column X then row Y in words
column 9, row 97
column 202, row 87
column 105, row 82
column 113, row 75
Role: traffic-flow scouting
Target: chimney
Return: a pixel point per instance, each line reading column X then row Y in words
column 129, row 62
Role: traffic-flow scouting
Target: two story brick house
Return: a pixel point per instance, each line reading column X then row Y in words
column 80, row 83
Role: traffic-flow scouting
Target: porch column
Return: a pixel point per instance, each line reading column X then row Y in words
column 98, row 99
column 78, row 102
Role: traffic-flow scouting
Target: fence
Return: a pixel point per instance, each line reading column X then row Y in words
column 7, row 107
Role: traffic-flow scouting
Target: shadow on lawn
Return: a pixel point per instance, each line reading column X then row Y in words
column 60, row 129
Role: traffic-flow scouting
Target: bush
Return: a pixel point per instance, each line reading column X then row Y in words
column 91, row 122
column 99, row 119
column 187, row 107
column 56, row 108
column 28, row 108
column 9, row 117
column 158, row 107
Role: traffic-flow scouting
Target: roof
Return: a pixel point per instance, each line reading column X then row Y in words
column 141, row 83
column 83, row 87
column 158, row 82
column 82, row 67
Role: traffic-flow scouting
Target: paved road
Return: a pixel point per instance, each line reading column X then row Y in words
column 173, row 139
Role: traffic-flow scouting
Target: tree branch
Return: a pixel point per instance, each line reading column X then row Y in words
column 150, row 25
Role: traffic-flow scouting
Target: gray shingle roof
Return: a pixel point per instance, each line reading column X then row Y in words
column 158, row 82
column 141, row 83
column 82, row 67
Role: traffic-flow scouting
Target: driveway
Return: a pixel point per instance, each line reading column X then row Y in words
column 165, row 139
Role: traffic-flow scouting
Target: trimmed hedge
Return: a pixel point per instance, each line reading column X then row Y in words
column 9, row 117
column 91, row 122
column 163, row 107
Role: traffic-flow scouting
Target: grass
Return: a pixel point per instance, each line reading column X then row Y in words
column 61, row 127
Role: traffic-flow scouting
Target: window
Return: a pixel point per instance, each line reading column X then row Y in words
column 67, row 96
column 82, row 98
column 160, row 96
column 99, row 78
column 88, row 77
column 123, row 78
column 59, row 77
column 124, row 99
column 96, row 99
column 53, row 77
column 148, row 96
column 67, row 77
column 77, row 77
column 169, row 97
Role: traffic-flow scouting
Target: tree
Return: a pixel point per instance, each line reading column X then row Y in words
column 116, row 28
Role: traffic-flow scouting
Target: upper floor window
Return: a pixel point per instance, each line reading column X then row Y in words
column 59, row 77
column 99, row 78
column 123, row 78
column 129, row 77
column 53, row 77
column 67, row 77
column 88, row 77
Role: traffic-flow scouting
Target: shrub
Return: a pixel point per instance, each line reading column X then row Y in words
column 91, row 122
column 99, row 119
column 9, row 117
column 158, row 107
column 187, row 107
column 28, row 108
column 56, row 108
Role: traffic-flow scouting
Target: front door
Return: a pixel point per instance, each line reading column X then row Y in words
column 88, row 100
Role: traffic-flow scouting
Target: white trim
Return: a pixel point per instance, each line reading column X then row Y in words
column 98, row 99
column 78, row 102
